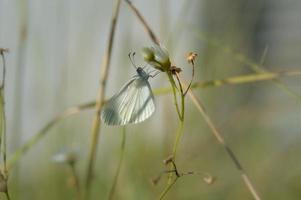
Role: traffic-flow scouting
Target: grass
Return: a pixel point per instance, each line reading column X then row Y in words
column 100, row 101
column 90, row 178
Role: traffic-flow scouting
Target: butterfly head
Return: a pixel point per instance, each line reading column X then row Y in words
column 142, row 73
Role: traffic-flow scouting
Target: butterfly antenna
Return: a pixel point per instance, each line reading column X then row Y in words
column 132, row 58
column 144, row 66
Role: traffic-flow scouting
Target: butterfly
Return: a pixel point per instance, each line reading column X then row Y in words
column 133, row 104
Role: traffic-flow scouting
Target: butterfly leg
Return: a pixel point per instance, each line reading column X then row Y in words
column 153, row 75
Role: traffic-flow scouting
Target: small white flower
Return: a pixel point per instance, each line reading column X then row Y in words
column 66, row 156
column 157, row 56
column 161, row 54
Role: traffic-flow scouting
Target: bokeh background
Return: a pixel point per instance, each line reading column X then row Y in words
column 55, row 52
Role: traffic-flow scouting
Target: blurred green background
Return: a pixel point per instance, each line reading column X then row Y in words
column 56, row 49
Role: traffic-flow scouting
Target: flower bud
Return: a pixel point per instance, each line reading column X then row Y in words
column 157, row 56
column 168, row 160
column 148, row 54
column 191, row 57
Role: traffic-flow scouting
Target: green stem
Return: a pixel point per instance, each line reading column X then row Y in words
column 174, row 91
column 167, row 188
column 112, row 191
column 3, row 131
column 76, row 180
column 181, row 122
column 177, row 138
column 7, row 195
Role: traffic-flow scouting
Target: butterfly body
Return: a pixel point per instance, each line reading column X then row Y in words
column 141, row 73
column 134, row 103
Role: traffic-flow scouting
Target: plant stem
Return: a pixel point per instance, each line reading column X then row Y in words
column 167, row 188
column 122, row 150
column 177, row 138
column 243, row 79
column 206, row 117
column 17, row 155
column 100, row 100
column 173, row 85
column 221, row 140
column 144, row 23
column 3, row 139
column 7, row 195
column 235, row 80
column 174, row 91
column 181, row 118
column 3, row 131
column 242, row 58
column 19, row 89
column 76, row 180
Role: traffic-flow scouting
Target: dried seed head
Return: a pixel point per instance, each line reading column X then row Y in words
column 155, row 180
column 168, row 160
column 4, row 50
column 191, row 57
column 209, row 179
column 175, row 70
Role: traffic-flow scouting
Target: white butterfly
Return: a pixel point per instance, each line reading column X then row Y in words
column 134, row 103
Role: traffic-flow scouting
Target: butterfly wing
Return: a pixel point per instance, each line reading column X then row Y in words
column 134, row 103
